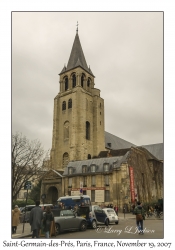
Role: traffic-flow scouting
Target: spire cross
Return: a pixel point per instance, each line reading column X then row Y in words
column 77, row 26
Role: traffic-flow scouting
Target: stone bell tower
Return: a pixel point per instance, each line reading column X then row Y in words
column 78, row 120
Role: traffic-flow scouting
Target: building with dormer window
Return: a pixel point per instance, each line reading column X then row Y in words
column 111, row 169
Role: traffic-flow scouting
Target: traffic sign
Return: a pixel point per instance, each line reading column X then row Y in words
column 28, row 185
column 43, row 196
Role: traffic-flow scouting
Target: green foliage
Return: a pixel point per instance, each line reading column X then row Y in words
column 22, row 203
column 35, row 192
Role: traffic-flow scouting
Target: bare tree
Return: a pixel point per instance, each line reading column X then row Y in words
column 27, row 162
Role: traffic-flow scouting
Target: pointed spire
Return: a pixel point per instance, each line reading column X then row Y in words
column 64, row 69
column 77, row 53
column 77, row 27
column 77, row 57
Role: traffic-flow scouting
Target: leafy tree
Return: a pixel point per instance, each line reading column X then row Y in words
column 27, row 162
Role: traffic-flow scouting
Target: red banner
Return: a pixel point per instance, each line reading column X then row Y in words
column 131, row 173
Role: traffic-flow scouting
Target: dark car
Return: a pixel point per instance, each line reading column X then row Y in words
column 67, row 220
column 25, row 213
column 94, row 215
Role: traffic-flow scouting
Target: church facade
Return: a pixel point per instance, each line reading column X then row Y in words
column 85, row 157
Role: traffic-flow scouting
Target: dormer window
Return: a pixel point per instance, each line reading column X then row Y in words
column 106, row 167
column 115, row 164
column 84, row 169
column 70, row 170
column 93, row 168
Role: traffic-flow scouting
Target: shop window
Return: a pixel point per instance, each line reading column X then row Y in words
column 107, row 196
column 92, row 195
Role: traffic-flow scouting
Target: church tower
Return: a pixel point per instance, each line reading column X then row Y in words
column 78, row 120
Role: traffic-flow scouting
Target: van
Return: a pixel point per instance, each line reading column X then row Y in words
column 74, row 200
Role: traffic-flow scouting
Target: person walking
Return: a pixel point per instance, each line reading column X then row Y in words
column 140, row 215
column 36, row 216
column 47, row 220
column 15, row 219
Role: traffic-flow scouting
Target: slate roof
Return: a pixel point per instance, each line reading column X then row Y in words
column 77, row 165
column 114, row 142
column 77, row 57
column 156, row 149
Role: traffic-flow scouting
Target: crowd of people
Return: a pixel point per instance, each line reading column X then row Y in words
column 38, row 220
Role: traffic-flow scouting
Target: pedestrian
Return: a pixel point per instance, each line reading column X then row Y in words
column 15, row 219
column 36, row 216
column 116, row 210
column 140, row 215
column 47, row 220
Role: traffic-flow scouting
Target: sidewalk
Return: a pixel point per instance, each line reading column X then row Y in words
column 20, row 233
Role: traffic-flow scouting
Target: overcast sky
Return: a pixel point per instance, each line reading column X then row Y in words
column 125, row 53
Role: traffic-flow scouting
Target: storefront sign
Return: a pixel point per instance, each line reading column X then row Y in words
column 88, row 188
column 99, row 195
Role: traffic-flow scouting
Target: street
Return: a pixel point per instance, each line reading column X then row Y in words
column 126, row 229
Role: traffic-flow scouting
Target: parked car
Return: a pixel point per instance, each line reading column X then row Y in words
column 67, row 220
column 25, row 212
column 111, row 214
column 94, row 215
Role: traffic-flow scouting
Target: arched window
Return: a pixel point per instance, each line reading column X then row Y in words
column 82, row 79
column 88, row 82
column 66, row 83
column 65, row 159
column 87, row 131
column 89, row 156
column 66, row 130
column 70, row 104
column 64, row 105
column 73, row 81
